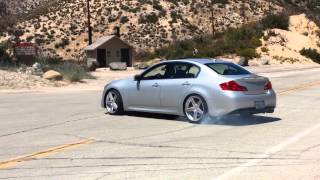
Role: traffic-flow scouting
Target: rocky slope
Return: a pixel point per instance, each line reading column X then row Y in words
column 283, row 46
column 59, row 26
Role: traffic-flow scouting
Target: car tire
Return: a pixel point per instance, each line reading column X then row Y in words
column 195, row 109
column 113, row 102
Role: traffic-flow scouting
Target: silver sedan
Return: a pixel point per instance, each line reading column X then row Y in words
column 193, row 88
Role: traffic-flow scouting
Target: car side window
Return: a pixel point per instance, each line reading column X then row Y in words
column 193, row 71
column 157, row 72
column 182, row 70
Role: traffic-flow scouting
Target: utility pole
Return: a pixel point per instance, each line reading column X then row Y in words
column 212, row 22
column 212, row 17
column 89, row 23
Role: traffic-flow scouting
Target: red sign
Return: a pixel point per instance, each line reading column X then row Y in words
column 25, row 49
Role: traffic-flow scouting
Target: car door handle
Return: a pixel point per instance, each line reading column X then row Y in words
column 186, row 84
column 155, row 85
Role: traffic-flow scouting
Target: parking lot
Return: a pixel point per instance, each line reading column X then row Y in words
column 66, row 135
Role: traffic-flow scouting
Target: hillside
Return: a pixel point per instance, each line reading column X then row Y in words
column 59, row 26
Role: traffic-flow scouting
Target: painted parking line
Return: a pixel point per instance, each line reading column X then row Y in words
column 40, row 154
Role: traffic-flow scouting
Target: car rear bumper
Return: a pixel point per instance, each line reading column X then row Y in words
column 253, row 110
column 238, row 102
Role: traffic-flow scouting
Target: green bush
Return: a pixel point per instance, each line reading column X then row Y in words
column 72, row 72
column 311, row 53
column 124, row 19
column 247, row 53
column 151, row 18
column 48, row 60
column 280, row 21
column 242, row 41
column 264, row 49
column 5, row 58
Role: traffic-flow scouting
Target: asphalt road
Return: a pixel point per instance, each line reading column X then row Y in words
column 66, row 135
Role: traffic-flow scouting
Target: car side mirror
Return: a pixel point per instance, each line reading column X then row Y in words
column 137, row 77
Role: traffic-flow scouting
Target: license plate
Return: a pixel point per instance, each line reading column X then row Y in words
column 260, row 104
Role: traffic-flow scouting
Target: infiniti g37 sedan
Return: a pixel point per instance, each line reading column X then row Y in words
column 193, row 88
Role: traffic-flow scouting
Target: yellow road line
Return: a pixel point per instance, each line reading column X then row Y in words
column 301, row 87
column 15, row 161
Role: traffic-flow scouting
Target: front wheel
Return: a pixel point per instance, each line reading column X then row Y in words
column 195, row 109
column 114, row 104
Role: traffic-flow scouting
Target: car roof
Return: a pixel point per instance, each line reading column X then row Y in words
column 200, row 60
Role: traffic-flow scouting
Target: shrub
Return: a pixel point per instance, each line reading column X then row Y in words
column 175, row 16
column 247, row 53
column 264, row 49
column 157, row 5
column 48, row 61
column 124, row 19
column 280, row 21
column 39, row 41
column 73, row 72
column 5, row 58
column 63, row 43
column 70, row 70
column 311, row 53
column 242, row 41
column 149, row 18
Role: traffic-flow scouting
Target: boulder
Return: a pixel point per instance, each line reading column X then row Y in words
column 36, row 66
column 265, row 61
column 120, row 66
column 154, row 61
column 36, row 69
column 92, row 64
column 141, row 66
column 243, row 61
column 52, row 75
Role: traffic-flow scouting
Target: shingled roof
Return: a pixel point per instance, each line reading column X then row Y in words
column 102, row 41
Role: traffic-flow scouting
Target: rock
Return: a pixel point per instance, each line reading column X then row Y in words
column 52, row 75
column 265, row 61
column 243, row 62
column 36, row 66
column 276, row 38
column 120, row 66
column 154, row 61
column 36, row 69
column 141, row 66
column 92, row 64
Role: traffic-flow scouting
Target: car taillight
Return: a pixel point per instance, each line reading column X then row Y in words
column 232, row 86
column 268, row 86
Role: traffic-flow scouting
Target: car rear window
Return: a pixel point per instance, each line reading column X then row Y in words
column 227, row 69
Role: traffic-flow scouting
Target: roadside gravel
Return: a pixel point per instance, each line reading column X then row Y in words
column 15, row 80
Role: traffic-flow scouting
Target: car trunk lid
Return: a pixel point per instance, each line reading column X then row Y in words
column 255, row 84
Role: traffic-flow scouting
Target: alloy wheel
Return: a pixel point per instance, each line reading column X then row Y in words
column 111, row 102
column 195, row 108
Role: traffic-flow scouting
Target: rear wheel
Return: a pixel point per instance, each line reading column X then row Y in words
column 113, row 101
column 195, row 109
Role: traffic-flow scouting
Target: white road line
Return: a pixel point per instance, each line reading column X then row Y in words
column 237, row 170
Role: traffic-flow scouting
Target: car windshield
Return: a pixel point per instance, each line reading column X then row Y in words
column 227, row 69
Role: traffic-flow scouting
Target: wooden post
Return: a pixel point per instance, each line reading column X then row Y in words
column 89, row 23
